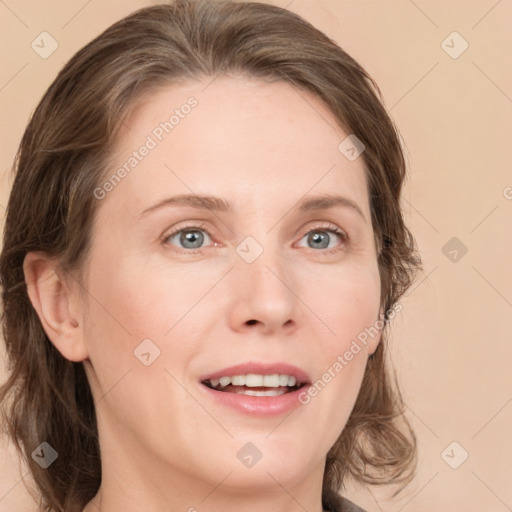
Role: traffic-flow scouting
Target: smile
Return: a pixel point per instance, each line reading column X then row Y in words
column 257, row 389
column 252, row 384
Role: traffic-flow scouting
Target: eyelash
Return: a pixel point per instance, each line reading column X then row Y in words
column 329, row 228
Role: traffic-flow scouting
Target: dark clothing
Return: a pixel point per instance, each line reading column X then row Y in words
column 348, row 506
column 336, row 503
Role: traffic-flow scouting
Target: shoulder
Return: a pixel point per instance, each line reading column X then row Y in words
column 336, row 503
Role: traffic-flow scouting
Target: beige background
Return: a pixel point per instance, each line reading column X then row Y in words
column 452, row 342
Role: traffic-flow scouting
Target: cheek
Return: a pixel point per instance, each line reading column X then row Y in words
column 131, row 303
column 347, row 301
column 348, row 305
column 144, row 300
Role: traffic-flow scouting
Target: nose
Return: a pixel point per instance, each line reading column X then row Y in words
column 264, row 296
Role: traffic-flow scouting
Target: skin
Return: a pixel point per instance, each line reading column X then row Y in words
column 166, row 445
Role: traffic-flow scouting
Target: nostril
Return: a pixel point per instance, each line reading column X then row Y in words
column 252, row 322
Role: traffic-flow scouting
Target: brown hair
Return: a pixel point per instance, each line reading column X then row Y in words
column 63, row 157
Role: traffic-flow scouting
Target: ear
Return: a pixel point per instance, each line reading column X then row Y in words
column 57, row 303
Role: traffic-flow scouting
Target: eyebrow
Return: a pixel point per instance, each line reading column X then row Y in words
column 218, row 204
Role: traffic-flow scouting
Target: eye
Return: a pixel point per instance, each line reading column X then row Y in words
column 190, row 238
column 321, row 238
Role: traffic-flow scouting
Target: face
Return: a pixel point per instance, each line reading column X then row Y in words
column 262, row 281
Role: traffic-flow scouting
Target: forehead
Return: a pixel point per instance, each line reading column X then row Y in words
column 248, row 140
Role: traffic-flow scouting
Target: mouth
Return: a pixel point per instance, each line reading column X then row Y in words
column 253, row 384
column 257, row 389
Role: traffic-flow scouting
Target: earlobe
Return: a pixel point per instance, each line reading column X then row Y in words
column 57, row 304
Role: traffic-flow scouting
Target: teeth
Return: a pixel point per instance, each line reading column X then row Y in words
column 269, row 392
column 225, row 381
column 252, row 380
column 238, row 380
column 283, row 380
column 271, row 381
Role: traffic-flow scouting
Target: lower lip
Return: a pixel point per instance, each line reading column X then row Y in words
column 258, row 405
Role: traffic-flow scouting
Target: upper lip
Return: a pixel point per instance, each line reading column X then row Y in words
column 261, row 369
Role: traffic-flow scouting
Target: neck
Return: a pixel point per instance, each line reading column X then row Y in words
column 132, row 481
column 119, row 495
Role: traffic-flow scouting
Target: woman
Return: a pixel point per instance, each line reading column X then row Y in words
column 195, row 294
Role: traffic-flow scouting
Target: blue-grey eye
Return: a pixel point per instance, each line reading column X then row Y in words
column 321, row 238
column 189, row 238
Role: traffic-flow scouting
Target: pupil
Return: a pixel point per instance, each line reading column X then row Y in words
column 323, row 238
column 192, row 237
